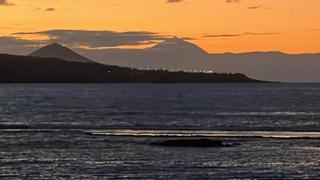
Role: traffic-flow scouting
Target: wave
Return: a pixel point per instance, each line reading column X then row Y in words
column 280, row 113
column 192, row 133
column 116, row 131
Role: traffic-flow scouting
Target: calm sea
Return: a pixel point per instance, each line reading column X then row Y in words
column 46, row 131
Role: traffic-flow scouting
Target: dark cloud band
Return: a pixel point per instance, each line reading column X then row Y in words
column 6, row 3
column 238, row 35
column 174, row 1
column 97, row 39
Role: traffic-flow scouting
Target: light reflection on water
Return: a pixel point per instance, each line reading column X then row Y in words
column 78, row 155
column 67, row 131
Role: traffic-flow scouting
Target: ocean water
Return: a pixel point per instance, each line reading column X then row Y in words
column 104, row 131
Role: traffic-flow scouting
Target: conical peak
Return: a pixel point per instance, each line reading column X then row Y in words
column 176, row 39
column 174, row 42
column 177, row 45
column 55, row 44
column 58, row 51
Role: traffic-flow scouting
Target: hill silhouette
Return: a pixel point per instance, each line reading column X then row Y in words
column 29, row 69
column 56, row 50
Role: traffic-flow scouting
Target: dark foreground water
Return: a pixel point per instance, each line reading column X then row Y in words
column 50, row 131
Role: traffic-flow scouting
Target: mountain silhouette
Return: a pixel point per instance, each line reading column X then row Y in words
column 179, row 54
column 175, row 53
column 56, row 50
column 178, row 46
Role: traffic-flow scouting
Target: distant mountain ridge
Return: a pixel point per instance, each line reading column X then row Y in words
column 174, row 53
column 179, row 54
column 56, row 50
column 271, row 66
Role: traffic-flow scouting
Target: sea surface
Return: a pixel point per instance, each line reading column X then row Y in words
column 104, row 131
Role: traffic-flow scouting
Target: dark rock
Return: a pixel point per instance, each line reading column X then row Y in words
column 192, row 143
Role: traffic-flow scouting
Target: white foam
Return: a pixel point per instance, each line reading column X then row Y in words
column 183, row 133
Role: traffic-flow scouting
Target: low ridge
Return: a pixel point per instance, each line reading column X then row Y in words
column 29, row 69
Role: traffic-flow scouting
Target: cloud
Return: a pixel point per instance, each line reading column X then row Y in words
column 254, row 33
column 174, row 1
column 249, row 7
column 6, row 3
column 86, row 40
column 13, row 41
column 222, row 35
column 14, row 45
column 255, row 7
column 98, row 39
column 232, row 1
column 50, row 9
column 25, row 42
column 238, row 35
column 188, row 38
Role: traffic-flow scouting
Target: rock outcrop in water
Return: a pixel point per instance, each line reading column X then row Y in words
column 192, row 143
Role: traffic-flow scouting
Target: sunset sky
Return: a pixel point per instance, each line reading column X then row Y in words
column 291, row 26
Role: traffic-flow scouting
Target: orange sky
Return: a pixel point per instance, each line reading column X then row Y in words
column 291, row 26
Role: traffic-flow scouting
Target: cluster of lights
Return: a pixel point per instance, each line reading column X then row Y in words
column 191, row 71
column 177, row 70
